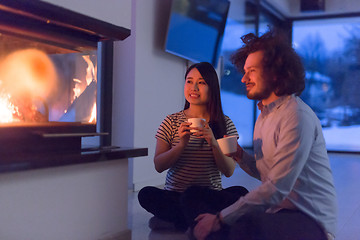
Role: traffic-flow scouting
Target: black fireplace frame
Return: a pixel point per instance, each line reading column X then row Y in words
column 57, row 26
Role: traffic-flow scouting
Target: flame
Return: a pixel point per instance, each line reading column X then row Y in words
column 90, row 70
column 8, row 111
column 27, row 77
column 77, row 89
column 28, row 72
column 93, row 114
column 90, row 77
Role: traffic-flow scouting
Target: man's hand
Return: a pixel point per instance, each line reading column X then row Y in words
column 237, row 156
column 207, row 223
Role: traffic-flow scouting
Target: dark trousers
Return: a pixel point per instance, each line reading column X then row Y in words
column 171, row 206
column 163, row 204
column 283, row 225
column 197, row 200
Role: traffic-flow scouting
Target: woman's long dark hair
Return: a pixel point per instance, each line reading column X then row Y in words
column 217, row 119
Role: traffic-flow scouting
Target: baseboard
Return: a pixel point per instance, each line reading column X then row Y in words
column 124, row 235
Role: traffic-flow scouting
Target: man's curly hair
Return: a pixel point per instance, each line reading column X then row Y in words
column 281, row 63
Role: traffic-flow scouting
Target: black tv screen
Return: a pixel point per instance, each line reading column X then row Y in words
column 196, row 28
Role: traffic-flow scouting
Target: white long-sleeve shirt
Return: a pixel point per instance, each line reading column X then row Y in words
column 290, row 159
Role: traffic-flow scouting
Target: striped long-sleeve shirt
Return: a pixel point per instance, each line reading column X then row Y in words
column 196, row 164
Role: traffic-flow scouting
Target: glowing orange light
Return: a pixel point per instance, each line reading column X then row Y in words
column 93, row 114
column 90, row 70
column 8, row 112
column 27, row 76
column 28, row 72
column 79, row 88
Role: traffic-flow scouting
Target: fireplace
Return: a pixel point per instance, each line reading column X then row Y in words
column 55, row 80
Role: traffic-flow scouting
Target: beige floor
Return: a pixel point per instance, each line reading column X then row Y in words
column 346, row 169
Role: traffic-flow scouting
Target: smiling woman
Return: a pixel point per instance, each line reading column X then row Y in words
column 192, row 158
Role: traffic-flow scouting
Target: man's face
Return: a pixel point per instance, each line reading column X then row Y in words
column 257, row 85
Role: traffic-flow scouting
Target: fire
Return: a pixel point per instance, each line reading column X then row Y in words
column 8, row 111
column 28, row 72
column 29, row 89
column 90, row 71
column 93, row 114
column 28, row 77
column 79, row 87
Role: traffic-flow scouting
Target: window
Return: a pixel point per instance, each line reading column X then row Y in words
column 233, row 94
column 244, row 17
column 330, row 49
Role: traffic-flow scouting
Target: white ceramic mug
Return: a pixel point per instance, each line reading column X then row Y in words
column 228, row 144
column 196, row 122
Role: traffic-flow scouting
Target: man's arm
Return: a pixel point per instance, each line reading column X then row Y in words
column 293, row 143
column 246, row 162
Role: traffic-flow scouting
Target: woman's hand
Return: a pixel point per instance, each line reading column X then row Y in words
column 206, row 223
column 184, row 133
column 206, row 133
column 224, row 163
column 167, row 155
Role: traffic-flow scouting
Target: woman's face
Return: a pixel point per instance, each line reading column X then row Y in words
column 196, row 90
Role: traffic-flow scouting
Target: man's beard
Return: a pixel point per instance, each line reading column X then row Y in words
column 264, row 93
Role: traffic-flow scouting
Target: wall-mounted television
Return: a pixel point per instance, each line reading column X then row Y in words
column 196, row 28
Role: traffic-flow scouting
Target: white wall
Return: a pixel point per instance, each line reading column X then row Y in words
column 148, row 85
column 79, row 202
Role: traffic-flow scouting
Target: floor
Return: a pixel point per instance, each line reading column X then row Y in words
column 346, row 170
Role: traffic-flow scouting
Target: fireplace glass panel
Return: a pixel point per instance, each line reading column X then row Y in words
column 42, row 83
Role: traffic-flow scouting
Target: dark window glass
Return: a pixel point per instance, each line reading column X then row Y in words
column 242, row 20
column 236, row 105
column 330, row 50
